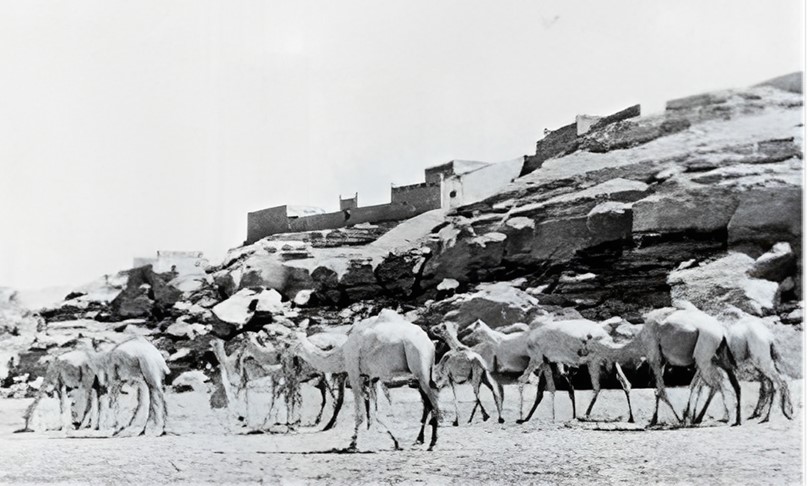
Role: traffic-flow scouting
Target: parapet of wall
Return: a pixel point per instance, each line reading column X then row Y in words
column 384, row 212
column 318, row 222
column 558, row 142
column 349, row 203
column 433, row 174
column 266, row 222
column 423, row 197
column 566, row 139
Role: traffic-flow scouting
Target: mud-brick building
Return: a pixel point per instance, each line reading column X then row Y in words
column 443, row 186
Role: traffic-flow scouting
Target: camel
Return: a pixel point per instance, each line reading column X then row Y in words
column 254, row 361
column 462, row 365
column 565, row 343
column 73, row 370
column 93, row 374
column 385, row 347
column 681, row 335
column 323, row 352
column 505, row 354
column 135, row 361
column 752, row 343
column 250, row 362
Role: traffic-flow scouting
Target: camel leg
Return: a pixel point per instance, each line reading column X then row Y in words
column 457, row 410
column 736, row 387
column 340, row 383
column 156, row 422
column 661, row 394
column 763, row 394
column 385, row 427
column 695, row 391
column 429, row 400
column 64, row 407
column 488, row 380
column 475, row 385
column 621, row 377
column 356, row 389
column 539, row 396
column 29, row 412
column 128, row 430
column 551, row 388
column 594, row 376
column 424, row 414
column 565, row 375
column 698, row 418
column 785, row 401
column 321, row 385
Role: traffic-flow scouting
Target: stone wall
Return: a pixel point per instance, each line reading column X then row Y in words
column 556, row 143
column 383, row 212
column 266, row 222
column 317, row 222
column 424, row 196
column 567, row 139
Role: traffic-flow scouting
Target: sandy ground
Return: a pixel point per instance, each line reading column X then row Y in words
column 200, row 447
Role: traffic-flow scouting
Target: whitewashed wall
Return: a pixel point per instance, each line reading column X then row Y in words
column 479, row 184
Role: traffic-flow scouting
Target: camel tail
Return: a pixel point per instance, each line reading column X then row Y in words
column 777, row 358
column 725, row 355
column 154, row 370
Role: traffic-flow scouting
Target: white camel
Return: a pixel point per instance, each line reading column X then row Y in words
column 505, row 354
column 686, row 336
column 676, row 336
column 136, row 362
column 73, row 370
column 96, row 375
column 386, row 347
column 250, row 362
column 253, row 361
column 568, row 343
column 462, row 365
column 752, row 344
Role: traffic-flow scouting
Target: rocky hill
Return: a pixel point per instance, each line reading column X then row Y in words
column 701, row 202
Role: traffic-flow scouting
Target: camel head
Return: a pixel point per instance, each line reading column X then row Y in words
column 474, row 332
column 445, row 329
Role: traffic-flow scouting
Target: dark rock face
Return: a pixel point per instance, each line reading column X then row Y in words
column 605, row 225
column 146, row 294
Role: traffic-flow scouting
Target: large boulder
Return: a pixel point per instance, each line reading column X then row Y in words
column 235, row 312
column 497, row 304
column 776, row 265
column 711, row 286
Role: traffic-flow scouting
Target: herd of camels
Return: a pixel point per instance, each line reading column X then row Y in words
column 387, row 349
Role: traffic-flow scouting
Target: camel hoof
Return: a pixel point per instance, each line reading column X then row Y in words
column 22, row 431
column 454, row 424
column 501, row 420
column 631, row 420
column 485, row 418
column 764, row 420
column 520, row 421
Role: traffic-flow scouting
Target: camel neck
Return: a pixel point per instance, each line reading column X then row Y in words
column 325, row 361
column 631, row 350
column 493, row 336
column 453, row 342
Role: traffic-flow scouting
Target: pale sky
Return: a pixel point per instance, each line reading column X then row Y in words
column 128, row 127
